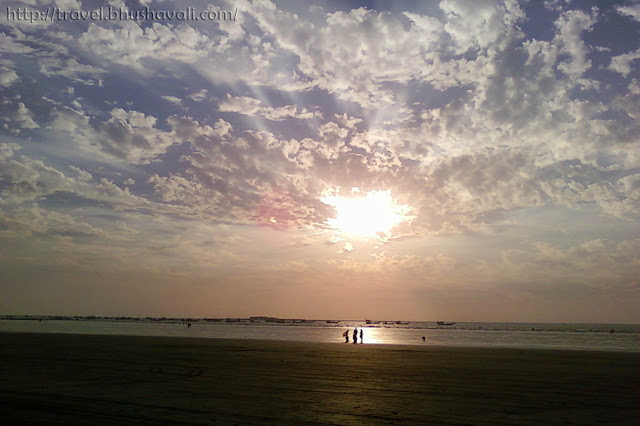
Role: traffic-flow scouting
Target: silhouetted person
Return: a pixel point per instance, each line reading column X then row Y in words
column 424, row 339
column 346, row 336
column 355, row 335
column 361, row 336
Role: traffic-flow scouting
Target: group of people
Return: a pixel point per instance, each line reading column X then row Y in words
column 355, row 336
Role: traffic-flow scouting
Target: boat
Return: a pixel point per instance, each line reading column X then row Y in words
column 402, row 322
column 332, row 321
column 445, row 323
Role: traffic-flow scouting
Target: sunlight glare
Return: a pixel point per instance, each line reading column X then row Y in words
column 373, row 215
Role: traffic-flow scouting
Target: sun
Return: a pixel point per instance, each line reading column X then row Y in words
column 372, row 215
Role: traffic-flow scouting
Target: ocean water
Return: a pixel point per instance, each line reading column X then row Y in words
column 626, row 337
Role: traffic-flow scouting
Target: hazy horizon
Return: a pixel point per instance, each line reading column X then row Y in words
column 375, row 323
column 456, row 160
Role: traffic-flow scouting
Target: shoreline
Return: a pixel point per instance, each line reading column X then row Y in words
column 623, row 341
column 338, row 342
column 106, row 379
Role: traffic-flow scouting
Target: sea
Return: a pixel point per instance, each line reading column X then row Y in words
column 599, row 337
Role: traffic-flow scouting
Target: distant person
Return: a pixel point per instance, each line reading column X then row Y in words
column 424, row 339
column 355, row 335
column 346, row 336
column 361, row 336
column 188, row 325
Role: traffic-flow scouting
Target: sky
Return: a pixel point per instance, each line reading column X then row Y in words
column 449, row 160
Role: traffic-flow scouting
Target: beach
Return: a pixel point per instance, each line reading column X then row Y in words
column 101, row 379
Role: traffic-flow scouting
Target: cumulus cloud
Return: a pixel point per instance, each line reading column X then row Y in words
column 127, row 135
column 173, row 99
column 631, row 10
column 26, row 179
column 139, row 48
column 8, row 76
column 198, row 96
column 24, row 117
column 253, row 107
column 570, row 25
column 622, row 63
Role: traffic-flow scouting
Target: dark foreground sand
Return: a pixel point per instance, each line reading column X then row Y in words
column 81, row 379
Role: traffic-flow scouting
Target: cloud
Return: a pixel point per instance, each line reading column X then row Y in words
column 69, row 68
column 173, row 99
column 348, row 247
column 480, row 24
column 26, row 179
column 198, row 96
column 127, row 135
column 143, row 48
column 569, row 26
column 253, row 107
column 24, row 118
column 622, row 63
column 632, row 10
column 8, row 75
column 476, row 114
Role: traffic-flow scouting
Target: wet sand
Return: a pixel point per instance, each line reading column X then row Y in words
column 87, row 379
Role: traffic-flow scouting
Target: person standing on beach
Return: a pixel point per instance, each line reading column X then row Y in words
column 346, row 336
column 355, row 335
column 361, row 336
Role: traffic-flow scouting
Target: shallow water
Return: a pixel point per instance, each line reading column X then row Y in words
column 514, row 335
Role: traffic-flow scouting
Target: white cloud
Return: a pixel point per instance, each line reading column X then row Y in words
column 127, row 135
column 8, row 76
column 138, row 48
column 253, row 107
column 83, row 175
column 69, row 68
column 484, row 24
column 348, row 247
column 173, row 99
column 632, row 10
column 570, row 25
column 9, row 45
column 622, row 63
column 24, row 117
column 198, row 96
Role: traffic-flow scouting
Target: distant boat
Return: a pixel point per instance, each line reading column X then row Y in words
column 402, row 323
column 445, row 323
column 332, row 321
column 367, row 321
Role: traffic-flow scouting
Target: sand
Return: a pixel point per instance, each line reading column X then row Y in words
column 87, row 379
